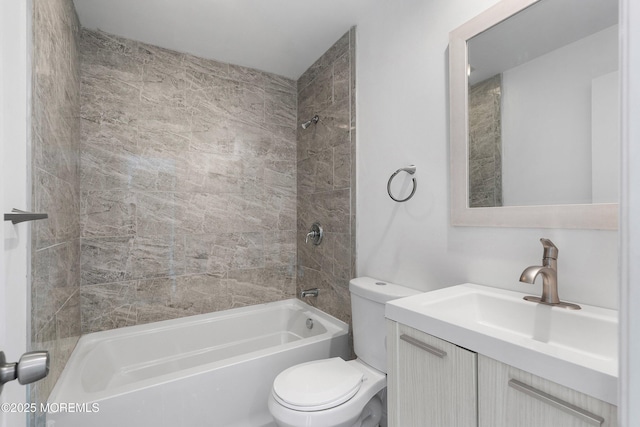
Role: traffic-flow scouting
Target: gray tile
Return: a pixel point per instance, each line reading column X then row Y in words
column 280, row 212
column 280, row 83
column 107, row 100
column 201, row 293
column 334, row 127
column 151, row 300
column 162, row 120
column 160, row 299
column 161, row 213
column 107, row 213
column 229, row 99
column 318, row 94
column 220, row 173
column 247, row 75
column 98, row 41
column 104, row 260
column 115, row 62
column 317, row 257
column 342, row 264
column 247, row 212
column 280, row 107
column 55, row 126
column 325, row 157
column 55, row 279
column 342, row 166
column 217, row 254
column 203, row 157
column 117, row 259
column 168, row 86
column 260, row 285
column 108, row 306
column 156, row 256
column 158, row 56
column 280, row 174
column 55, row 148
column 153, row 170
column 333, row 298
column 212, row 135
column 67, row 319
column 280, row 248
column 201, row 69
column 109, row 156
column 61, row 201
column 342, row 78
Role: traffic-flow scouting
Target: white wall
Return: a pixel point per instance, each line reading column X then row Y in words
column 402, row 107
column 546, row 120
column 605, row 132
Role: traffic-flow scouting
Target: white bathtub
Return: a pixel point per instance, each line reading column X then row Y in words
column 207, row 370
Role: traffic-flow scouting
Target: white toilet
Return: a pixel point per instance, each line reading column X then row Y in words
column 335, row 393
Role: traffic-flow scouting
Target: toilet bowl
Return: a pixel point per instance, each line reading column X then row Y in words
column 335, row 393
column 328, row 393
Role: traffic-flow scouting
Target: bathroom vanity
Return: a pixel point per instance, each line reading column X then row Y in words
column 430, row 382
column 474, row 356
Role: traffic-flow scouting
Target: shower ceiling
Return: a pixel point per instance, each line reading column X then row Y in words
column 279, row 36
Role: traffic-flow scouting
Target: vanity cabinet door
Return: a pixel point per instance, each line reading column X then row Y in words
column 431, row 382
column 509, row 397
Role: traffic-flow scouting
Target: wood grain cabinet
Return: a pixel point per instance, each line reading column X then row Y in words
column 433, row 383
column 510, row 397
column 430, row 382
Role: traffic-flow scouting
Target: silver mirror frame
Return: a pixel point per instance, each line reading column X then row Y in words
column 602, row 216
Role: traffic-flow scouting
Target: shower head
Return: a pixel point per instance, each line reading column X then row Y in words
column 308, row 123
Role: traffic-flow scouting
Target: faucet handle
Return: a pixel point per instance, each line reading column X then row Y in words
column 315, row 235
column 550, row 250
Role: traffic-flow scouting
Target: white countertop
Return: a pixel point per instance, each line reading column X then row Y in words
column 575, row 348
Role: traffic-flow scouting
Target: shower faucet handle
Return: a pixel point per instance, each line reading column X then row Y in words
column 311, row 234
column 315, row 235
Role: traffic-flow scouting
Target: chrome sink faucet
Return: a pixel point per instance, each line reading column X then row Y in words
column 549, row 272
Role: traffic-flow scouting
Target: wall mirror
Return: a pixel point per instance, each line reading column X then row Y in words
column 534, row 99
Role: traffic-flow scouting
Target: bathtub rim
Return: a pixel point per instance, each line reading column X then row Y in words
column 66, row 391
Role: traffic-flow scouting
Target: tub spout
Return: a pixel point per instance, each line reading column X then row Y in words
column 309, row 293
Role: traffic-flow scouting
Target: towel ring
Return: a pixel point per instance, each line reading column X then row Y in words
column 411, row 169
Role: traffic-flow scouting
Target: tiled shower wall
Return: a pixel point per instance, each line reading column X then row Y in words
column 326, row 177
column 55, row 247
column 485, row 143
column 188, row 184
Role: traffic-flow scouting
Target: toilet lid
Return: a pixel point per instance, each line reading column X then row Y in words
column 317, row 385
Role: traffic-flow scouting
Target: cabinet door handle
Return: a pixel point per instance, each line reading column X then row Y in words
column 567, row 407
column 424, row 346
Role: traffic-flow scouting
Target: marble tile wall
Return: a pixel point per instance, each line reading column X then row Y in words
column 55, row 247
column 326, row 177
column 188, row 184
column 485, row 143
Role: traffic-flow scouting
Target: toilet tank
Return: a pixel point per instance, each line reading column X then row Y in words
column 368, row 297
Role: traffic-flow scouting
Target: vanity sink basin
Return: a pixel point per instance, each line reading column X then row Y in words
column 575, row 348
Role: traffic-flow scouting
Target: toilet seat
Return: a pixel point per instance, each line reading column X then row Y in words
column 317, row 385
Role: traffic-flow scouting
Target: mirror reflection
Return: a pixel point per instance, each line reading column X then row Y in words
column 543, row 106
